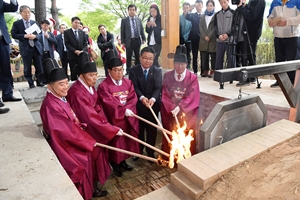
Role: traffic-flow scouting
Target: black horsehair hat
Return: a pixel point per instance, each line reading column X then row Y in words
column 85, row 66
column 52, row 72
column 114, row 62
column 180, row 54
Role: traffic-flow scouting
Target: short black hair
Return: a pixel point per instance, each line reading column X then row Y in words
column 63, row 25
column 199, row 1
column 45, row 21
column 148, row 49
column 100, row 25
column 210, row 1
column 186, row 3
column 75, row 18
column 24, row 7
column 131, row 6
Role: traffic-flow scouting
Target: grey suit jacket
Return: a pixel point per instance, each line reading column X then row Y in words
column 126, row 31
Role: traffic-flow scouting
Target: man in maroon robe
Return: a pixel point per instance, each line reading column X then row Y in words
column 180, row 94
column 84, row 100
column 65, row 134
column 119, row 100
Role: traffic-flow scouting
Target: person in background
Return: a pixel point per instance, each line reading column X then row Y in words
column 61, row 47
column 153, row 28
column 147, row 80
column 106, row 44
column 185, row 29
column 30, row 46
column 223, row 23
column 86, row 30
column 6, row 78
column 194, row 36
column 121, row 53
column 51, row 27
column 132, row 36
column 207, row 44
column 47, row 40
column 76, row 43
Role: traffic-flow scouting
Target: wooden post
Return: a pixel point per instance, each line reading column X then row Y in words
column 170, row 31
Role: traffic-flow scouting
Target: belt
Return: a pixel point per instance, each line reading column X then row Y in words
column 46, row 51
column 134, row 38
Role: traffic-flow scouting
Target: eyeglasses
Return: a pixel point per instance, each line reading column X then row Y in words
column 115, row 70
column 146, row 58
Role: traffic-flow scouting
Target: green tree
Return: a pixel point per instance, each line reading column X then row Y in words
column 40, row 10
column 118, row 8
column 9, row 19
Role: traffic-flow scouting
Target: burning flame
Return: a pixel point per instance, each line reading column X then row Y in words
column 180, row 144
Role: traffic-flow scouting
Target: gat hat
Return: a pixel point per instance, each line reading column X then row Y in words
column 180, row 57
column 84, row 65
column 52, row 72
column 114, row 62
column 180, row 49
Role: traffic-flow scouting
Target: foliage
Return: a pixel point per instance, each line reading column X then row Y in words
column 265, row 52
column 9, row 19
column 118, row 8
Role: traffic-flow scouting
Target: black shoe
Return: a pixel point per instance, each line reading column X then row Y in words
column 135, row 158
column 1, row 104
column 274, row 84
column 31, row 86
column 40, row 85
column 125, row 166
column 117, row 172
column 4, row 110
column 239, row 84
column 100, row 193
column 12, row 99
column 230, row 82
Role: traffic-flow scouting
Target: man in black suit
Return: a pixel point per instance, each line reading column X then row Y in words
column 147, row 81
column 5, row 70
column 30, row 46
column 195, row 33
column 47, row 40
column 132, row 35
column 107, row 46
column 61, row 47
column 76, row 42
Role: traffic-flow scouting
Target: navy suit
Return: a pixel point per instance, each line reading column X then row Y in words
column 148, row 88
column 194, row 37
column 61, row 51
column 28, row 53
column 72, row 45
column 5, row 70
column 51, row 41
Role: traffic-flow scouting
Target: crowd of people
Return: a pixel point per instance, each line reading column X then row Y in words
column 77, row 119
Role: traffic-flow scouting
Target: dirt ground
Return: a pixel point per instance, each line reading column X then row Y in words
column 273, row 175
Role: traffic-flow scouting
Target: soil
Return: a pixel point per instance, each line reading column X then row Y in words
column 275, row 175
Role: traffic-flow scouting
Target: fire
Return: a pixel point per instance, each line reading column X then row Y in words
column 180, row 144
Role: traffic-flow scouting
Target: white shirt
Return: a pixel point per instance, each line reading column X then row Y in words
column 90, row 89
column 61, row 98
column 182, row 76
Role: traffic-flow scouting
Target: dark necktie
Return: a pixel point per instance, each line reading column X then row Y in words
column 76, row 35
column 135, row 32
column 30, row 42
column 117, row 82
column 145, row 74
column 179, row 76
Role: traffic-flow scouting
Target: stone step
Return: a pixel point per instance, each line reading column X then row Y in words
column 165, row 193
column 187, row 187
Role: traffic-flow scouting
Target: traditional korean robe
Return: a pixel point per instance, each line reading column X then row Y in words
column 71, row 144
column 186, row 95
column 89, row 111
column 115, row 100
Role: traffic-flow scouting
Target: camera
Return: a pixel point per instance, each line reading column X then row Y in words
column 235, row 2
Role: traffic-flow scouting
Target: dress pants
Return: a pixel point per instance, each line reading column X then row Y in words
column 34, row 55
column 5, row 70
column 195, row 50
column 135, row 46
column 205, row 60
column 64, row 61
column 286, row 50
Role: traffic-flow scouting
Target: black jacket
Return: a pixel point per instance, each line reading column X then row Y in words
column 157, row 31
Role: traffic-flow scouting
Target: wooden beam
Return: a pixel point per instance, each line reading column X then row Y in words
column 170, row 30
